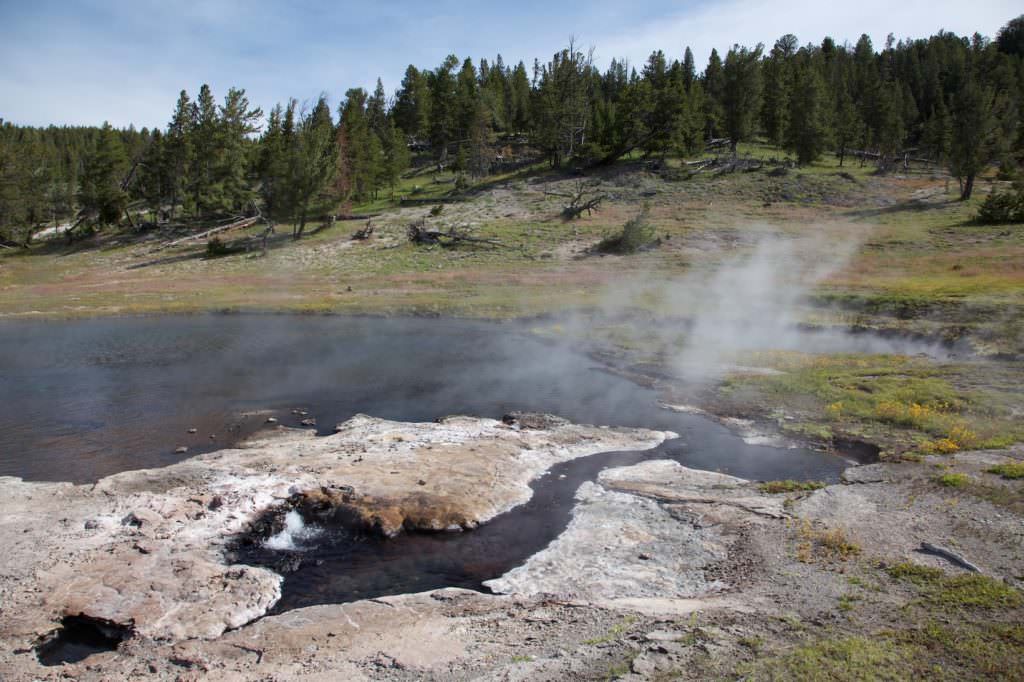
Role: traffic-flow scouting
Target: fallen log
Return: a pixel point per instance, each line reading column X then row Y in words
column 358, row 216
column 419, row 233
column 949, row 555
column 236, row 225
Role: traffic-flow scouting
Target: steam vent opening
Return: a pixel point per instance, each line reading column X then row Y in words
column 78, row 638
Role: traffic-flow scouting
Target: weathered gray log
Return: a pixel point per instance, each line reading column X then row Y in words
column 236, row 225
column 949, row 555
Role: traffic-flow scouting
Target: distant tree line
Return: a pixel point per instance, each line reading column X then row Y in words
column 954, row 100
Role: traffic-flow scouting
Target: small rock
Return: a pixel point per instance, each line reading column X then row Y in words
column 308, row 422
column 643, row 556
column 92, row 524
column 271, row 420
column 421, row 482
column 131, row 520
column 180, row 450
column 193, row 430
column 213, row 437
column 215, row 503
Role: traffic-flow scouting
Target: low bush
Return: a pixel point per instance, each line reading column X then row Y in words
column 1003, row 207
column 635, row 235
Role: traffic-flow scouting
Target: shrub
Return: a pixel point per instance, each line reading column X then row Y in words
column 1003, row 207
column 635, row 235
column 216, row 247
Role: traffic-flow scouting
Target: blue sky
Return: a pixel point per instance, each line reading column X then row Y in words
column 86, row 61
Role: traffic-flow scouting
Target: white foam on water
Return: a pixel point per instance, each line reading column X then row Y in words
column 293, row 535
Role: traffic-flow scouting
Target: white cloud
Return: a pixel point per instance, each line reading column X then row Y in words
column 125, row 62
column 747, row 22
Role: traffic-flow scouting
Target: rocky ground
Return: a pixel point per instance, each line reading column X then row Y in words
column 663, row 572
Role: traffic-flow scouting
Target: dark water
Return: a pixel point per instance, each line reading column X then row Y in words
column 340, row 565
column 85, row 399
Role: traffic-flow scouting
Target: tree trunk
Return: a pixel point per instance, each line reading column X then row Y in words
column 842, row 156
column 968, row 188
column 732, row 147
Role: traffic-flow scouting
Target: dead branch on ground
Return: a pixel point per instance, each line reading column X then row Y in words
column 363, row 233
column 419, row 233
column 585, row 198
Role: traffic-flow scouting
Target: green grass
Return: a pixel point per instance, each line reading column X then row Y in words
column 953, row 480
column 916, row 403
column 967, row 590
column 932, row 650
column 982, row 651
column 1009, row 470
column 845, row 658
column 789, row 486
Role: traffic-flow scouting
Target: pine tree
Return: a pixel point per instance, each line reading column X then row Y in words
column 808, row 131
column 741, row 93
column 153, row 183
column 364, row 154
column 396, row 155
column 689, row 69
column 849, row 129
column 272, row 167
column 562, row 105
column 204, row 194
column 237, row 121
column 519, row 89
column 178, row 149
column 441, row 129
column 973, row 126
column 778, row 87
column 101, row 194
column 938, row 133
column 376, row 109
column 714, row 89
column 412, row 104
column 313, row 166
column 467, row 100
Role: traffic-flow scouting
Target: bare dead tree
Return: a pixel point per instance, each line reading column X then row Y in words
column 585, row 197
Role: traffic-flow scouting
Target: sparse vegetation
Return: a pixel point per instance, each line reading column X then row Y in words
column 789, row 486
column 846, row 658
column 614, row 633
column 965, row 590
column 953, row 480
column 1009, row 470
column 824, row 543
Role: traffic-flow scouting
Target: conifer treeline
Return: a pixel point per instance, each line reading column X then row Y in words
column 955, row 100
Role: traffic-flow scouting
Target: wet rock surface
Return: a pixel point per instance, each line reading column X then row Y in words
column 144, row 549
column 663, row 571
